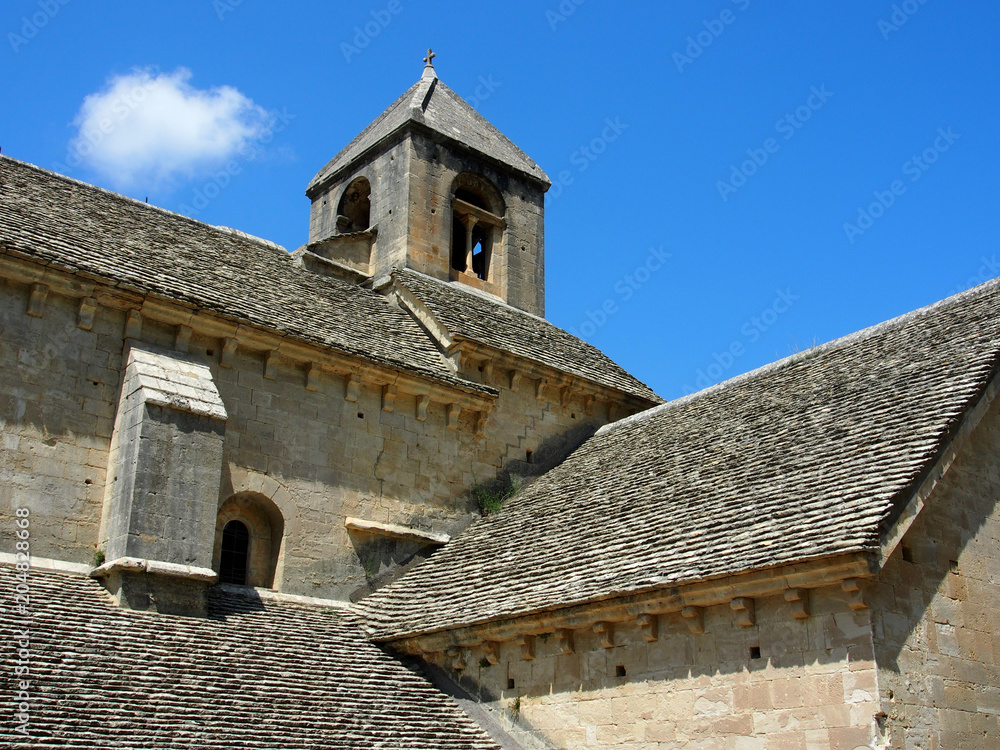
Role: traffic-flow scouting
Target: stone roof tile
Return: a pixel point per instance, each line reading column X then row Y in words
column 431, row 104
column 82, row 228
column 253, row 674
column 810, row 457
column 482, row 318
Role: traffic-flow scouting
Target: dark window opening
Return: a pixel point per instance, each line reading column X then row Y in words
column 510, row 683
column 907, row 554
column 620, row 670
column 755, row 652
column 527, row 456
column 470, row 197
column 953, row 566
column 355, row 209
column 235, row 554
column 476, row 230
column 478, row 255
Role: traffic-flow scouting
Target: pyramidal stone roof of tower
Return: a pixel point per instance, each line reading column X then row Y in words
column 430, row 105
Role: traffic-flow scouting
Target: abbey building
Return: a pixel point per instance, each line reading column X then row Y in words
column 364, row 495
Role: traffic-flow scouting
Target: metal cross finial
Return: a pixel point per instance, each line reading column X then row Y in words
column 430, row 57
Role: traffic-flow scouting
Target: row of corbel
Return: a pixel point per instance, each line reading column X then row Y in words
column 87, row 310
column 511, row 373
column 649, row 624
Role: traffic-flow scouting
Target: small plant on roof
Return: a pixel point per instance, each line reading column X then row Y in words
column 514, row 708
column 491, row 497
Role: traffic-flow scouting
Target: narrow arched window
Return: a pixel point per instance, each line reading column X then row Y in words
column 355, row 209
column 235, row 554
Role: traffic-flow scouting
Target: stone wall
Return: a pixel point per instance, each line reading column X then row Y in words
column 411, row 207
column 58, row 391
column 936, row 608
column 388, row 174
column 520, row 271
column 782, row 683
column 294, row 439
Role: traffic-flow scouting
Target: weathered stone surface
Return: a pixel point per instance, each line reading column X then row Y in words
column 812, row 456
column 709, row 690
column 936, row 612
column 58, row 220
column 254, row 674
column 467, row 314
column 430, row 103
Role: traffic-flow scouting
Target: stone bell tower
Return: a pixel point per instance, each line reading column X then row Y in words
column 432, row 186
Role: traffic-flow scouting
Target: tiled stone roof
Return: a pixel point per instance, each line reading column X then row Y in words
column 254, row 674
column 487, row 320
column 812, row 456
column 79, row 227
column 432, row 104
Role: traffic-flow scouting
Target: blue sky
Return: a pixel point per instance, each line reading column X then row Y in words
column 736, row 180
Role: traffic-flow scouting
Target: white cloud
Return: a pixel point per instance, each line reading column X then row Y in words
column 153, row 128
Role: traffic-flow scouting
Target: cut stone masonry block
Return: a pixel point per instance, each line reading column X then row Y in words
column 527, row 644
column 228, row 352
column 389, row 394
column 565, row 638
column 857, row 596
column 491, row 651
column 352, row 389
column 170, row 430
column 605, row 631
column 312, row 377
column 133, row 325
column 271, row 366
column 799, row 599
column 421, row 410
column 695, row 619
column 650, row 627
column 743, row 606
column 182, row 341
column 36, row 300
column 86, row 313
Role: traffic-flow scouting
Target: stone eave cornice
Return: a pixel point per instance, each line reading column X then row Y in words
column 844, row 570
column 398, row 135
column 74, row 283
column 469, row 353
